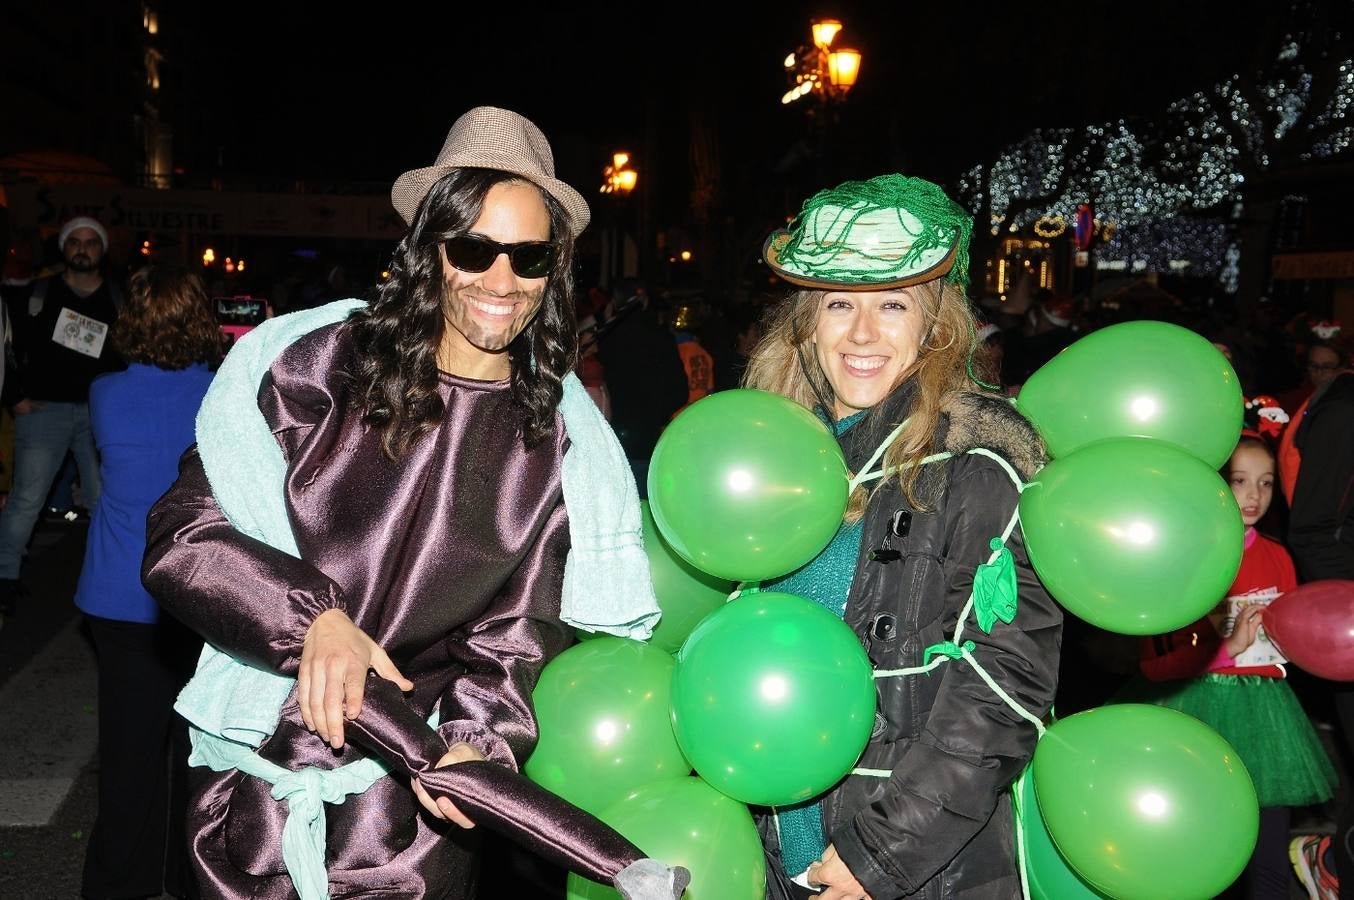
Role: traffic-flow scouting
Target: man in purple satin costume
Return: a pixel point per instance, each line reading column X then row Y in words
column 423, row 448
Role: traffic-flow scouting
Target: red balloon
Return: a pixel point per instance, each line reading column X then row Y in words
column 1313, row 625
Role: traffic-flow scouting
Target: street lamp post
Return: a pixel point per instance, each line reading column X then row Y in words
column 820, row 70
column 620, row 179
column 825, row 72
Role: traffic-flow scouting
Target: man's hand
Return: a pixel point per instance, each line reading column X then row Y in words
column 835, row 878
column 443, row 808
column 25, row 406
column 335, row 658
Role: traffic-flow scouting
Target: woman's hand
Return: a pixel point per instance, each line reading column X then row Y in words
column 443, row 808
column 835, row 878
column 335, row 658
column 1245, row 631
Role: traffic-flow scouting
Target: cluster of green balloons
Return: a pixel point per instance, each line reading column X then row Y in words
column 773, row 696
column 770, row 697
column 1131, row 528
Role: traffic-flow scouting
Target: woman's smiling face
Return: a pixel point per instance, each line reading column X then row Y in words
column 866, row 341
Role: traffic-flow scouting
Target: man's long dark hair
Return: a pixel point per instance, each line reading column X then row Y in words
column 396, row 338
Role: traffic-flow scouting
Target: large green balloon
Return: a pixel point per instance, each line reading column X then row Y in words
column 1131, row 535
column 1137, row 379
column 1146, row 802
column 602, row 707
column 1050, row 876
column 747, row 485
column 685, row 594
column 773, row 699
column 685, row 822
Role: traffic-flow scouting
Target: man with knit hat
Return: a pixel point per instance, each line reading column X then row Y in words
column 431, row 528
column 61, row 345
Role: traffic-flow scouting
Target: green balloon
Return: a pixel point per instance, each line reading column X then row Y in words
column 602, row 709
column 1146, row 802
column 685, row 822
column 1137, row 379
column 1050, row 876
column 1133, row 536
column 747, row 485
column 685, row 594
column 773, row 699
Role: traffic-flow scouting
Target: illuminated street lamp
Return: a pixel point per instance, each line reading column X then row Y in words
column 826, row 72
column 620, row 178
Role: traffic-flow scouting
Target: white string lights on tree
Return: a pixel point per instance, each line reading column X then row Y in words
column 1171, row 186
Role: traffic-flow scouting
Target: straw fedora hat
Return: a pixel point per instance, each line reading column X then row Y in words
column 487, row 137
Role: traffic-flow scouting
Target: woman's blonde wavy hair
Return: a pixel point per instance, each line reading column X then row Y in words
column 784, row 362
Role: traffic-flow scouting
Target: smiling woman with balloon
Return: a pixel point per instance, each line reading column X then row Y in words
column 928, row 569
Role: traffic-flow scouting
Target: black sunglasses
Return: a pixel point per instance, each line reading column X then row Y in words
column 473, row 253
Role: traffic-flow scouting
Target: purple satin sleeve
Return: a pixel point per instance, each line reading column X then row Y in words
column 488, row 793
column 502, row 654
column 240, row 594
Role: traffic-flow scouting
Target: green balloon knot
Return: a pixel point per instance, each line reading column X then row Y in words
column 995, row 590
column 946, row 648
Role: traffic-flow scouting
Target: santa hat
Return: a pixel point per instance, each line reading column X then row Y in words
column 1326, row 331
column 1263, row 418
column 82, row 222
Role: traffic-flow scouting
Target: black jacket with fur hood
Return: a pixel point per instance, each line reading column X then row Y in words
column 941, row 826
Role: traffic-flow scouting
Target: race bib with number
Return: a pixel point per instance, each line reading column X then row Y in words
column 1262, row 652
column 80, row 333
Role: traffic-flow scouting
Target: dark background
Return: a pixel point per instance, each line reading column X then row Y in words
column 303, row 91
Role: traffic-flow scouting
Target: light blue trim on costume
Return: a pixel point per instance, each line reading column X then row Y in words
column 304, row 835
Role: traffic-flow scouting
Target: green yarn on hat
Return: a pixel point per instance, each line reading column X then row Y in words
column 887, row 228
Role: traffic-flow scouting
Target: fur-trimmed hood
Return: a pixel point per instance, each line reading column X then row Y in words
column 971, row 420
column 975, row 420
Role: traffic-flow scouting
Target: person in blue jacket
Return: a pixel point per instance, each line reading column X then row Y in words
column 143, row 421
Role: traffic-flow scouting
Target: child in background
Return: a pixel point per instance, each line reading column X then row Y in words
column 1224, row 671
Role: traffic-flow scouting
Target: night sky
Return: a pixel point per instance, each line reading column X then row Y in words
column 297, row 90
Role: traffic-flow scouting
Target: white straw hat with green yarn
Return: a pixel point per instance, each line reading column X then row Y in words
column 889, row 232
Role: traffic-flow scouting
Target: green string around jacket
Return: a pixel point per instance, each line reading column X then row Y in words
column 994, row 597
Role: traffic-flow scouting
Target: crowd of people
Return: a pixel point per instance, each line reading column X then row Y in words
column 381, row 504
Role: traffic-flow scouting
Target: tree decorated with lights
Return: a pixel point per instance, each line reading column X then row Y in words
column 1199, row 188
column 1039, row 183
column 1238, row 142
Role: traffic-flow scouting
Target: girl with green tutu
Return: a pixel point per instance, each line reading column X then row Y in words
column 1224, row 671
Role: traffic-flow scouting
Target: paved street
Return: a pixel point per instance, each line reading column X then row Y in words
column 48, row 724
column 48, row 741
